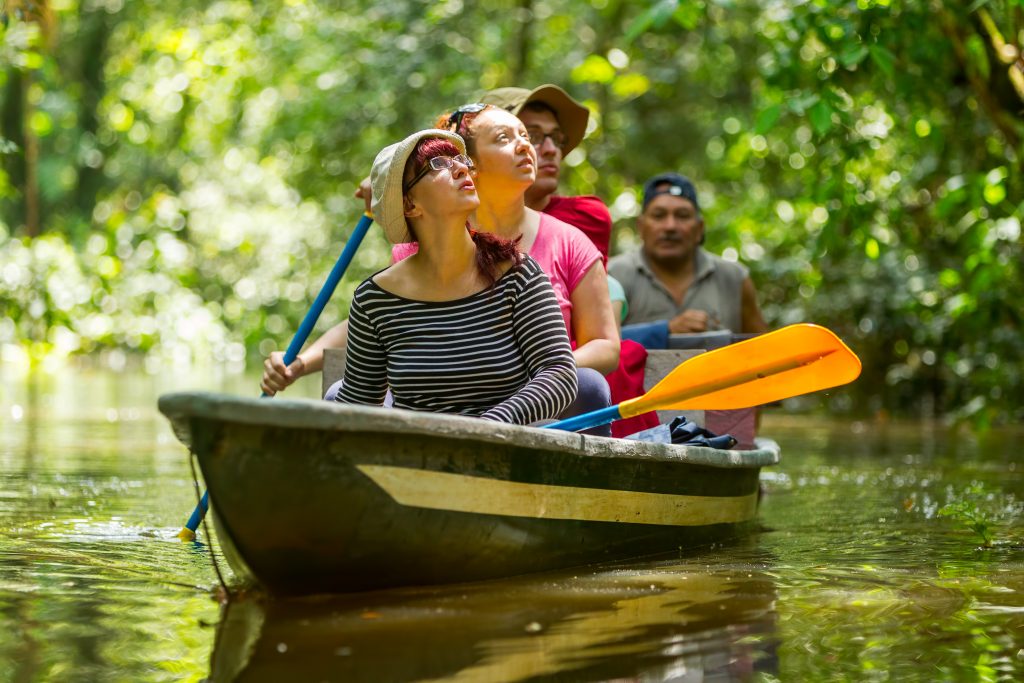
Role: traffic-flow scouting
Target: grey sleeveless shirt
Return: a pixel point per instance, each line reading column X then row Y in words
column 716, row 289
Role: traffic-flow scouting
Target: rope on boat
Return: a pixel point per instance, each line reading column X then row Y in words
column 206, row 529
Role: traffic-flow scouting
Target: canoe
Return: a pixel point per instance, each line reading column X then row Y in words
column 316, row 497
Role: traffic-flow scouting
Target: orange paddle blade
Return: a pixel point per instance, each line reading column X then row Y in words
column 794, row 360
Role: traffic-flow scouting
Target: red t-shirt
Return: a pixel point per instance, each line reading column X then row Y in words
column 589, row 214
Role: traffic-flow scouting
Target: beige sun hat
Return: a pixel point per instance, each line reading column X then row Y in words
column 386, row 181
column 572, row 116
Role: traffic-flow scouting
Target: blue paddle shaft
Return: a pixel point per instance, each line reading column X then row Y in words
column 330, row 284
column 587, row 420
column 302, row 334
column 198, row 513
column 299, row 340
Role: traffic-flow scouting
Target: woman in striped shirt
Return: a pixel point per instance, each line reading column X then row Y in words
column 467, row 325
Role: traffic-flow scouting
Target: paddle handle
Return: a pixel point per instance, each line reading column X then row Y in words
column 188, row 532
column 587, row 420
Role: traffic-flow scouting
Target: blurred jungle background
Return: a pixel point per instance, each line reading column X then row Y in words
column 176, row 178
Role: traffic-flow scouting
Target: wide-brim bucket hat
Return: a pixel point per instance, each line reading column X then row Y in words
column 572, row 116
column 386, row 180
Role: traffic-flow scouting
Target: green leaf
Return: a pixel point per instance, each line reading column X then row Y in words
column 821, row 117
column 32, row 60
column 852, row 54
column 871, row 249
column 630, row 86
column 638, row 26
column 803, row 102
column 767, row 118
column 977, row 56
column 689, row 14
column 662, row 12
column 883, row 59
column 594, row 69
column 655, row 17
column 949, row 278
column 41, row 123
column 994, row 194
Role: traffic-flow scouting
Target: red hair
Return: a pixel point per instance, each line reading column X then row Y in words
column 491, row 250
column 425, row 150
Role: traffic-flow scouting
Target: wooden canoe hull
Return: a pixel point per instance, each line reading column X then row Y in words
column 313, row 497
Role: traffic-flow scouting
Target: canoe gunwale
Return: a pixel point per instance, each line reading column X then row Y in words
column 300, row 414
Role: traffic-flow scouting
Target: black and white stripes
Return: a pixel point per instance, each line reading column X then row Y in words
column 501, row 354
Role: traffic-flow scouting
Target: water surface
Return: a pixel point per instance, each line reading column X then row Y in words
column 851, row 575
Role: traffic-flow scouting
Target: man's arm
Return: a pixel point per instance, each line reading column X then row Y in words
column 750, row 314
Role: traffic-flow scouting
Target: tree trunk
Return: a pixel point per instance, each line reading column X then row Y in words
column 1004, row 121
column 93, row 57
column 30, row 189
column 521, row 59
column 11, row 119
column 607, row 36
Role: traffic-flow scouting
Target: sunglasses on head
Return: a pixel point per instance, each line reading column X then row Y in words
column 439, row 164
column 455, row 119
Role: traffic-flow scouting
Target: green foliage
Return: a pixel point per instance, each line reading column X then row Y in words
column 862, row 158
column 846, row 153
column 982, row 511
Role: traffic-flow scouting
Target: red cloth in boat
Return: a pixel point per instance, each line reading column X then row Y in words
column 626, row 382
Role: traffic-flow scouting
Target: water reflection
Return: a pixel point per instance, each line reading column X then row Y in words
column 661, row 621
column 854, row 575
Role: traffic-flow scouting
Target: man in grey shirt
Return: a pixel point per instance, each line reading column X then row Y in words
column 672, row 284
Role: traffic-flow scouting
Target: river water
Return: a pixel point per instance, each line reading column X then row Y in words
column 852, row 573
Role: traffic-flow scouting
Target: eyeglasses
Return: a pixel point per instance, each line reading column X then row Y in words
column 440, row 164
column 455, row 120
column 537, row 137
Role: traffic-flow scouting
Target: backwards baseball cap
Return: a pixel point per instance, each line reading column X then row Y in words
column 386, row 181
column 572, row 116
column 670, row 183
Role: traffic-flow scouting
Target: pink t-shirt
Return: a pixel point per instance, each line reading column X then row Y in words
column 562, row 251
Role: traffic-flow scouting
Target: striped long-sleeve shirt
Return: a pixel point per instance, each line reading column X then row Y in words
column 501, row 354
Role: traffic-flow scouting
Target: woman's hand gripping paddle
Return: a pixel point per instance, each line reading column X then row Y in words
column 791, row 361
column 188, row 532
